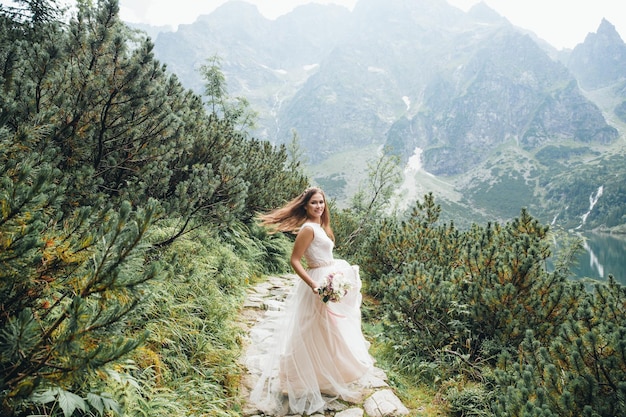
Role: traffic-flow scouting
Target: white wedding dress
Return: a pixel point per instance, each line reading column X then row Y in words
column 319, row 347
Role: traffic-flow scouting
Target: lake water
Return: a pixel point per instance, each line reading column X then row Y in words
column 604, row 254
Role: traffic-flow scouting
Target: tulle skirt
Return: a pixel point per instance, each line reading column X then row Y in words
column 319, row 348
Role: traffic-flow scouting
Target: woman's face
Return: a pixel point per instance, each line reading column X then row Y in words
column 315, row 207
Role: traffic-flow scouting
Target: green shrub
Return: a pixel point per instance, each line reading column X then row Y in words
column 470, row 401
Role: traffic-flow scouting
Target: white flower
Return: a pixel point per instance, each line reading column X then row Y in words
column 334, row 287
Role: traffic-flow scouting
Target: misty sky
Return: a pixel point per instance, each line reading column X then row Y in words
column 563, row 23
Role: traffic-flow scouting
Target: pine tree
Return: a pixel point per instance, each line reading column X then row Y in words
column 110, row 112
column 125, row 129
column 506, row 282
column 396, row 243
column 474, row 302
column 580, row 371
column 32, row 12
column 271, row 177
column 471, row 294
column 65, row 286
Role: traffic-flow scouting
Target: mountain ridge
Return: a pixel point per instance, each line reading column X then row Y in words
column 410, row 75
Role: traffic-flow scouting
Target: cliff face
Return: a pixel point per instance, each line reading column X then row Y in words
column 600, row 62
column 508, row 90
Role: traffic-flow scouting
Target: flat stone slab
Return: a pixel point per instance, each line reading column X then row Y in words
column 384, row 403
column 350, row 412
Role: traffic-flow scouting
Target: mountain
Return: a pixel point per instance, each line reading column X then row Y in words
column 494, row 114
column 600, row 60
column 150, row 30
column 508, row 90
column 264, row 60
column 600, row 63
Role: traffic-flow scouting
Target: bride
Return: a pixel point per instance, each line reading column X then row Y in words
column 319, row 348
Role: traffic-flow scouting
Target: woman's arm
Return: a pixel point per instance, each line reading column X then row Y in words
column 303, row 240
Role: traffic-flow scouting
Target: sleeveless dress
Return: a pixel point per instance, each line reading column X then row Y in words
column 319, row 347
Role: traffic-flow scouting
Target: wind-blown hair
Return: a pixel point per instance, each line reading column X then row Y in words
column 292, row 215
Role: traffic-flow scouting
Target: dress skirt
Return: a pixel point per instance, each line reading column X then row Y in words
column 319, row 347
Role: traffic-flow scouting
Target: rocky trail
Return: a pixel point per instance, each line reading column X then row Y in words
column 266, row 299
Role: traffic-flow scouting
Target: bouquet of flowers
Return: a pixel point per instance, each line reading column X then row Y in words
column 334, row 287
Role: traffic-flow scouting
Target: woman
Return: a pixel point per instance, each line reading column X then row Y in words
column 320, row 349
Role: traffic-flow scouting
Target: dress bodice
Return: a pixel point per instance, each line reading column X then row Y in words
column 320, row 251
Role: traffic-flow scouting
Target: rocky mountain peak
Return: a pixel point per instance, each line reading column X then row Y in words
column 607, row 33
column 483, row 13
column 228, row 10
column 601, row 59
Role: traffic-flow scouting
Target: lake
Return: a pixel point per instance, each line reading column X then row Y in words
column 604, row 254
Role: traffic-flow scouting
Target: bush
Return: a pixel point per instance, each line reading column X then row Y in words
column 469, row 401
column 474, row 301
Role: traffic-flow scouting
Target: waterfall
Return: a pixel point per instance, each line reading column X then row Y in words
column 556, row 216
column 407, row 191
column 593, row 199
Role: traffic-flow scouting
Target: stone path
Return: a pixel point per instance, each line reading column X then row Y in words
column 265, row 300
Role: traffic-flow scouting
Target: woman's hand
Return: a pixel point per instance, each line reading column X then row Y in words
column 315, row 289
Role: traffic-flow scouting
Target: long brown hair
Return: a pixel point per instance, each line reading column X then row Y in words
column 292, row 215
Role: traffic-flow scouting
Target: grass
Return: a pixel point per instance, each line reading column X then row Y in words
column 419, row 397
column 188, row 365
